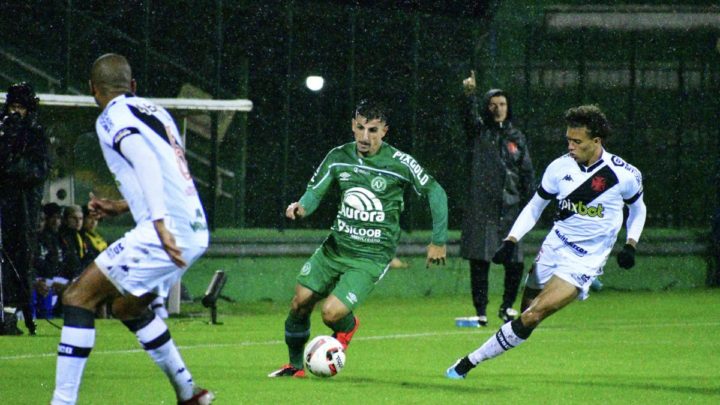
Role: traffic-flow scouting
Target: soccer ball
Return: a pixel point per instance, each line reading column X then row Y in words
column 324, row 356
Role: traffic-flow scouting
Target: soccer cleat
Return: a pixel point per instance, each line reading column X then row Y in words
column 345, row 337
column 507, row 314
column 452, row 374
column 200, row 396
column 288, row 370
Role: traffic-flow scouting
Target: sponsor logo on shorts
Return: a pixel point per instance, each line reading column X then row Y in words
column 572, row 245
column 581, row 279
column 351, row 297
column 306, row 269
column 115, row 249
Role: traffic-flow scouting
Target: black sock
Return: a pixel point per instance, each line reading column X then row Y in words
column 522, row 331
column 464, row 366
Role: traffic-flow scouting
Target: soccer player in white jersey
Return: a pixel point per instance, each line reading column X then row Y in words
column 141, row 145
column 591, row 187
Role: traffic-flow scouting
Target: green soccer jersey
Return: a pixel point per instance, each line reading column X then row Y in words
column 368, row 219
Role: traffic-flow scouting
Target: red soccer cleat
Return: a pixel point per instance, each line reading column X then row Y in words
column 346, row 337
column 288, row 370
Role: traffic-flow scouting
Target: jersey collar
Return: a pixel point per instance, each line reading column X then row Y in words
column 588, row 169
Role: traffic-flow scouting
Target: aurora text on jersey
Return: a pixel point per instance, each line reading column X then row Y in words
column 367, row 222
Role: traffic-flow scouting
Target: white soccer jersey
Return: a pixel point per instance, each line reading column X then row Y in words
column 128, row 115
column 590, row 205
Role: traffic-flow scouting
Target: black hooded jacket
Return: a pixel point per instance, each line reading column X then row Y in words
column 24, row 167
column 500, row 172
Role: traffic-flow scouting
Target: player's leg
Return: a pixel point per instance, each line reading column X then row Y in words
column 556, row 294
column 154, row 336
column 78, row 333
column 479, row 270
column 352, row 289
column 532, row 288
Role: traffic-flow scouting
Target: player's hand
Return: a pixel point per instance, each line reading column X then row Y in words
column 168, row 243
column 505, row 253
column 103, row 207
column 435, row 255
column 469, row 84
column 626, row 257
column 295, row 211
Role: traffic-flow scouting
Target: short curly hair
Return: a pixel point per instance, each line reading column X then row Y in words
column 591, row 117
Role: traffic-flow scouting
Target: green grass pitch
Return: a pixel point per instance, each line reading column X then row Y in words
column 617, row 347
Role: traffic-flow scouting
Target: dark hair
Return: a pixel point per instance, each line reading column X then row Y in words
column 591, row 117
column 51, row 209
column 371, row 110
column 22, row 93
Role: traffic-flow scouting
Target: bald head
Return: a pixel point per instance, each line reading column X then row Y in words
column 111, row 74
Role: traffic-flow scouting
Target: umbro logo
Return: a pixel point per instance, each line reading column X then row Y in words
column 567, row 178
column 345, row 176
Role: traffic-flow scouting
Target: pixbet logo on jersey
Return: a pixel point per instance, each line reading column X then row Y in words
column 581, row 209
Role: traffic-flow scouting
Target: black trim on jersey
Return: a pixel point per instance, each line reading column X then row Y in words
column 585, row 192
column 634, row 198
column 544, row 194
column 150, row 120
column 120, row 135
column 591, row 168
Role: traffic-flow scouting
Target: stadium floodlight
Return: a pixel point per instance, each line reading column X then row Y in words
column 315, row 83
column 212, row 294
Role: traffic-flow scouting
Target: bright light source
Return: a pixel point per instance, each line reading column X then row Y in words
column 315, row 83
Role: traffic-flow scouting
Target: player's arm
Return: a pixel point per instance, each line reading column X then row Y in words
column 104, row 207
column 637, row 212
column 316, row 189
column 437, row 199
column 149, row 175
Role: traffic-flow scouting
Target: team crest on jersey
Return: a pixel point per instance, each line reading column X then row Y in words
column 306, row 269
column 378, row 184
column 344, row 176
column 598, row 184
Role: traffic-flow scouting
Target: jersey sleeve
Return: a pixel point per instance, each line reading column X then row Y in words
column 319, row 185
column 632, row 188
column 548, row 188
column 425, row 185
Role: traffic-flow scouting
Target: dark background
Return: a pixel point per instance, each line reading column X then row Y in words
column 658, row 86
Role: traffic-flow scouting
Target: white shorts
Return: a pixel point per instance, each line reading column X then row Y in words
column 550, row 263
column 137, row 264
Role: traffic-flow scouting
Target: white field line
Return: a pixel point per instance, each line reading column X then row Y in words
column 464, row 331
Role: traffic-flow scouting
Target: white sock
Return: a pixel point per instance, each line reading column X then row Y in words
column 155, row 339
column 158, row 306
column 502, row 341
column 73, row 351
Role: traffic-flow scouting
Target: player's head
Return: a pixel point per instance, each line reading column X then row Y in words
column 53, row 216
column 110, row 76
column 587, row 129
column 497, row 106
column 369, row 125
column 73, row 217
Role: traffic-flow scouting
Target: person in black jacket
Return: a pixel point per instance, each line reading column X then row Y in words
column 501, row 179
column 24, row 167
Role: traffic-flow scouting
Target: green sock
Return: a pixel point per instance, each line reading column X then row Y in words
column 346, row 324
column 297, row 333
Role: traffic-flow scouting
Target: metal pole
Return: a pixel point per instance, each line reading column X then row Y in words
column 241, row 163
column 68, row 44
column 286, row 110
column 212, row 211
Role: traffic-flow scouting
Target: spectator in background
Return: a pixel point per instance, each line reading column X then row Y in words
column 501, row 178
column 94, row 242
column 49, row 262
column 24, row 167
column 72, row 243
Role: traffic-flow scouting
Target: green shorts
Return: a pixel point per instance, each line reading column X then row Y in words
column 349, row 279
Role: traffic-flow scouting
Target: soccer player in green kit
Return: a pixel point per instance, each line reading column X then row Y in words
column 372, row 176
